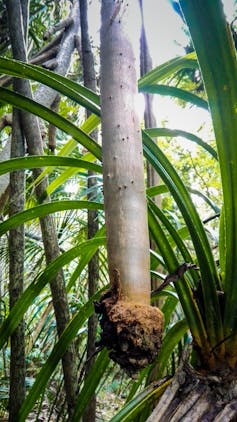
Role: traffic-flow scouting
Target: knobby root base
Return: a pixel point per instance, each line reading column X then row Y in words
column 132, row 332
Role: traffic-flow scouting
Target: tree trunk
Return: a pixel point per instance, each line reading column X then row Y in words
column 126, row 215
column 16, row 271
column 4, row 178
column 149, row 117
column 89, row 77
column 127, row 304
column 45, row 95
column 63, row 44
column 149, row 121
column 16, row 236
column 35, row 147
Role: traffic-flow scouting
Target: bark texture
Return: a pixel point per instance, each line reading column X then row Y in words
column 32, row 133
column 124, row 189
column 89, row 77
column 194, row 396
column 60, row 49
column 4, row 179
column 16, row 236
column 149, row 120
column 16, row 272
column 149, row 117
column 45, row 95
column 131, row 329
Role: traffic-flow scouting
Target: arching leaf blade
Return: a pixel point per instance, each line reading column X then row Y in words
column 131, row 411
column 39, row 161
column 91, row 383
column 59, row 349
column 45, row 209
column 156, row 132
column 180, row 245
column 182, row 287
column 209, row 276
column 168, row 68
column 27, row 297
column 170, row 340
column 65, row 86
column 23, row 103
column 216, row 54
column 174, row 92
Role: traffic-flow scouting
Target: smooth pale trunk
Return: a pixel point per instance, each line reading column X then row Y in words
column 124, row 189
column 131, row 328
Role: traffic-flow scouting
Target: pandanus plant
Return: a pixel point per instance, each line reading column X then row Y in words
column 209, row 300
column 210, row 310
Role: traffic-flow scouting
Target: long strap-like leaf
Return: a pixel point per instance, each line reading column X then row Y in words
column 209, row 275
column 217, row 59
column 23, row 103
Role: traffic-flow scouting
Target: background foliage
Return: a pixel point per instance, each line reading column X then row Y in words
column 185, row 228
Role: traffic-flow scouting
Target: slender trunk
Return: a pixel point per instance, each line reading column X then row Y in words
column 134, row 326
column 35, row 147
column 149, row 117
column 149, row 122
column 60, row 49
column 126, row 215
column 16, row 236
column 16, row 272
column 45, row 95
column 4, row 178
column 89, row 77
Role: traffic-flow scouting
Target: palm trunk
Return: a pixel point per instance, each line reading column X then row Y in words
column 127, row 305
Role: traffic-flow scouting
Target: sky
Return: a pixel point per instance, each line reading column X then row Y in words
column 166, row 39
column 163, row 23
column 163, row 27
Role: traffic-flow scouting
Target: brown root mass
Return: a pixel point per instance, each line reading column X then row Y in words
column 132, row 332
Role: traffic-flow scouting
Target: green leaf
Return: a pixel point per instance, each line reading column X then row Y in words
column 131, row 411
column 170, row 340
column 45, row 209
column 59, row 349
column 155, row 132
column 217, row 59
column 182, row 287
column 169, row 68
column 88, row 126
column 168, row 308
column 209, row 202
column 27, row 297
column 23, row 103
column 156, row 190
column 91, row 382
column 82, row 95
column 175, row 92
column 209, row 276
column 38, row 161
column 85, row 258
column 194, row 278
